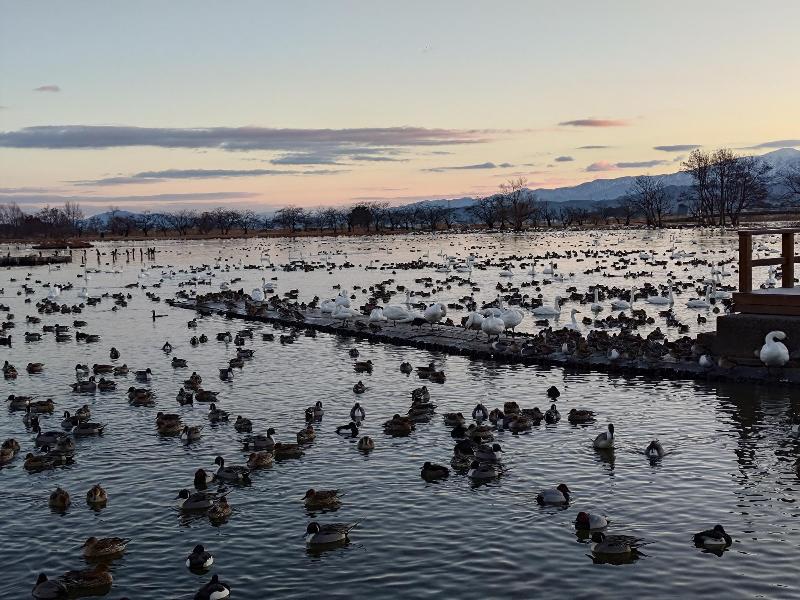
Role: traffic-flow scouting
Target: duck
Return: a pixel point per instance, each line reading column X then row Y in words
column 114, row 354
column 261, row 442
column 18, row 402
column 366, row 443
column 178, row 363
column 121, row 370
column 213, row 590
column 482, row 471
column 144, row 376
column 59, row 499
column 364, row 366
column 557, row 495
column 590, row 521
column 454, row 419
column 357, row 413
column 431, row 471
column 106, row 385
column 243, row 425
column 284, row 450
column 84, row 386
column 202, row 395
column 406, row 367
column 307, row 435
column 398, row 426
column 93, row 581
column 614, row 545
column 774, row 353
column 96, row 495
column 713, row 539
column 219, row 510
column 216, row 415
column 101, row 369
column 654, row 450
column 200, row 559
column 41, row 462
column 195, row 501
column 318, row 411
column 46, row 438
column 41, row 406
column 359, row 388
column 480, row 413
column 102, row 547
column 49, row 589
column 190, row 434
column 580, row 416
column 231, row 473
column 35, row 368
column 552, row 415
column 85, row 428
column 259, row 460
column 489, row 454
column 330, row 533
column 605, row 441
column 318, row 499
column 9, row 449
column 140, row 396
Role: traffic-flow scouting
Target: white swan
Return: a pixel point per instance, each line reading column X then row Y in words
column 573, row 324
column 774, row 353
column 620, row 304
column 474, row 322
column 701, row 302
column 507, row 272
column 377, row 316
column 547, row 311
column 54, row 292
column 493, row 326
column 257, row 295
column 327, row 306
column 596, row 306
column 342, row 299
column 661, row 299
column 512, row 317
column 435, row 313
column 548, row 270
column 344, row 313
column 395, row 313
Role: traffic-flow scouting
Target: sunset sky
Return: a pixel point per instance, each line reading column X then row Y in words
column 155, row 105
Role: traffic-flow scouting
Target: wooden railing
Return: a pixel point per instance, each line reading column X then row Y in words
column 786, row 260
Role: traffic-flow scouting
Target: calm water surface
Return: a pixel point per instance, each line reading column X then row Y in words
column 730, row 459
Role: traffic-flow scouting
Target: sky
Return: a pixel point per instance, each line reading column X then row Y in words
column 154, row 105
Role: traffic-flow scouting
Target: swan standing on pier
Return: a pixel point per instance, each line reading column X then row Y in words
column 493, row 326
column 774, row 353
column 435, row 313
column 474, row 322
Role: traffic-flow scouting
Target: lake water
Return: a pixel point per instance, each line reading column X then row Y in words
column 729, row 457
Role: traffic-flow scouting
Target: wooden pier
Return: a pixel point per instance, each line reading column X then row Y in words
column 783, row 300
column 458, row 341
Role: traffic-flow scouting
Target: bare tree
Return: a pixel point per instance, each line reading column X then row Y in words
column 145, row 221
column 547, row 213
column 290, row 217
column 749, row 186
column 790, row 179
column 484, row 210
column 74, row 216
column 520, row 202
column 627, row 209
column 182, row 221
column 225, row 218
column 649, row 197
column 248, row 220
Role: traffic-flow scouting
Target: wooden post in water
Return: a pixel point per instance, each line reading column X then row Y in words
column 787, row 250
column 746, row 261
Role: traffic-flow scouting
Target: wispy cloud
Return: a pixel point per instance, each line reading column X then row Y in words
column 335, row 156
column 592, row 147
column 172, row 174
column 591, row 122
column 235, row 138
column 200, row 197
column 47, row 88
column 486, row 165
column 778, row 144
column 563, row 159
column 677, row 147
column 604, row 165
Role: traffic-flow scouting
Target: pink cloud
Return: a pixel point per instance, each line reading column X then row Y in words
column 47, row 88
column 601, row 165
column 590, row 122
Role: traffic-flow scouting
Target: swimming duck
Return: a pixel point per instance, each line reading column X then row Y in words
column 318, row 412
column 590, row 521
column 219, row 510
column 351, row 429
column 713, row 539
column 285, row 450
column 48, row 589
column 121, row 370
column 102, row 547
column 106, row 385
column 83, row 413
column 18, row 402
column 231, row 473
column 482, row 471
column 243, row 425
column 199, row 559
column 329, row 533
column 184, row 398
column 41, row 462
column 261, row 442
column 259, row 460
column 46, row 438
column 140, row 396
column 307, row 435
column 202, row 395
column 69, row 421
column 144, row 376
column 85, row 428
column 168, row 423
column 84, row 386
column 166, row 348
column 553, row 392
column 97, row 495
column 226, row 374
column 195, row 501
column 8, row 450
column 59, row 499
column 319, row 499
column 579, row 416
column 34, row 368
column 487, row 453
column 366, row 443
column 479, row 433
column 190, row 434
column 406, row 368
column 213, row 590
column 398, row 426
column 178, row 363
column 605, row 441
column 41, row 406
column 479, row 413
column 558, row 495
column 359, row 388
column 88, row 581
column 454, row 419
column 114, row 354
column 431, row 471
column 654, row 450
column 216, row 415
column 101, row 369
column 363, row 366
column 552, row 415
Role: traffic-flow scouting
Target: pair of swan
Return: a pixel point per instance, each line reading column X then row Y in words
column 620, row 304
column 700, row 302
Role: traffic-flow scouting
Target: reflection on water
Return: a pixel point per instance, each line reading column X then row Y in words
column 729, row 457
